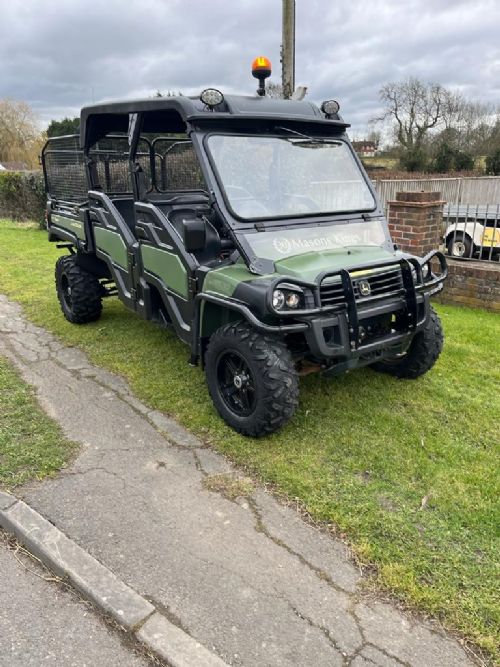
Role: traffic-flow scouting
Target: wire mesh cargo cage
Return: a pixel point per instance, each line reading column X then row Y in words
column 64, row 166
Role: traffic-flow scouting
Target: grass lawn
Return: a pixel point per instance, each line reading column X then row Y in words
column 31, row 444
column 407, row 470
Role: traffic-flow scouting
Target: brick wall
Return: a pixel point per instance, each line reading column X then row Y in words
column 472, row 283
column 415, row 220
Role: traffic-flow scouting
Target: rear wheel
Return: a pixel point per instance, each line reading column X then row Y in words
column 421, row 355
column 459, row 245
column 79, row 292
column 251, row 379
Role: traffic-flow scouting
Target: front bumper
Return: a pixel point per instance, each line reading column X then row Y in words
column 342, row 333
column 336, row 335
column 334, row 340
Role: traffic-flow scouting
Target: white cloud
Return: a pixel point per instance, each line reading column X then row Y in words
column 59, row 56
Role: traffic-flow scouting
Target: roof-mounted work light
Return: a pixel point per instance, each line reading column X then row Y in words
column 261, row 70
column 330, row 108
column 211, row 97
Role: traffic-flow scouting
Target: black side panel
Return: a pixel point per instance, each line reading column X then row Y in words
column 115, row 245
column 155, row 230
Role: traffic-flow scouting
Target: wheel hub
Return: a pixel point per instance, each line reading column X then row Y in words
column 458, row 249
column 240, row 381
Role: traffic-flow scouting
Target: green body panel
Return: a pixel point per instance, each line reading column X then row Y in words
column 112, row 244
column 166, row 266
column 224, row 281
column 309, row 265
column 72, row 225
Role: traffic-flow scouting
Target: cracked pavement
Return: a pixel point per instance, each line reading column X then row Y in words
column 249, row 579
column 44, row 623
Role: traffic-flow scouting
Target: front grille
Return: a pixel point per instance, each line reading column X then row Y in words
column 383, row 283
column 387, row 282
column 332, row 294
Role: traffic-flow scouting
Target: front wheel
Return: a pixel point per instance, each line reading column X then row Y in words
column 251, row 379
column 421, row 355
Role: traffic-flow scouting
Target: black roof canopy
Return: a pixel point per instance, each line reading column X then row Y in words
column 98, row 120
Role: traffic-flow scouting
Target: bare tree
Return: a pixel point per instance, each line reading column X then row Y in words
column 274, row 90
column 468, row 125
column 373, row 135
column 415, row 108
column 168, row 93
column 20, row 136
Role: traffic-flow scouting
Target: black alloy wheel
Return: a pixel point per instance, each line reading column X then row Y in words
column 236, row 383
column 251, row 378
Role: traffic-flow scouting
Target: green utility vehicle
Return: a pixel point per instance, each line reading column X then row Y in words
column 249, row 227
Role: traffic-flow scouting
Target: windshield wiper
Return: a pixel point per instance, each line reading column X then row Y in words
column 317, row 140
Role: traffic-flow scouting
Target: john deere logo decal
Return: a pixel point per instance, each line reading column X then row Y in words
column 364, row 288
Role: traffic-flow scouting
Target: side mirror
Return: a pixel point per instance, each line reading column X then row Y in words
column 194, row 234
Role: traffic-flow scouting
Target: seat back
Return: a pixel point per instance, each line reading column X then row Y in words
column 125, row 207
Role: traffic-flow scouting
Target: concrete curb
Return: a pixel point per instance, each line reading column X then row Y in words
column 98, row 584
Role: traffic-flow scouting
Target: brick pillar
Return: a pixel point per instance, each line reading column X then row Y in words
column 415, row 220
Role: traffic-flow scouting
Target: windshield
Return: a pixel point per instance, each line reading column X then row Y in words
column 269, row 177
column 276, row 245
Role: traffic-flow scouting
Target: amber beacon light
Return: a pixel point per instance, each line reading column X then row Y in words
column 261, row 69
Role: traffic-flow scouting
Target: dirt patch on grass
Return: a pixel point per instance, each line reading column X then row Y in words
column 231, row 486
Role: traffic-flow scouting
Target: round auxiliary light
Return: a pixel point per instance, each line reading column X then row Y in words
column 278, row 299
column 292, row 300
column 211, row 97
column 330, row 107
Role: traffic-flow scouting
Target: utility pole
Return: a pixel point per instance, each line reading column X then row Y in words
column 288, row 49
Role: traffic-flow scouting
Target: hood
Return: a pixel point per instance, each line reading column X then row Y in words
column 309, row 265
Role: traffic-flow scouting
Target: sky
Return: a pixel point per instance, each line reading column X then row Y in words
column 61, row 55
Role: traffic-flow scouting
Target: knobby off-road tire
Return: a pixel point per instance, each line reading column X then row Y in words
column 252, row 379
column 78, row 291
column 422, row 354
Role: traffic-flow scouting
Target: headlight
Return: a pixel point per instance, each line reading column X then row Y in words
column 278, row 299
column 292, row 300
column 426, row 271
column 288, row 299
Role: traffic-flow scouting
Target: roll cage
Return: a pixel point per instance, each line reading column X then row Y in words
column 143, row 125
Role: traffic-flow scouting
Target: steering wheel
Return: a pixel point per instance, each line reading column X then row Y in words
column 304, row 201
column 247, row 198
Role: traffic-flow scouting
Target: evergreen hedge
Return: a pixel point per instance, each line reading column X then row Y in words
column 22, row 195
